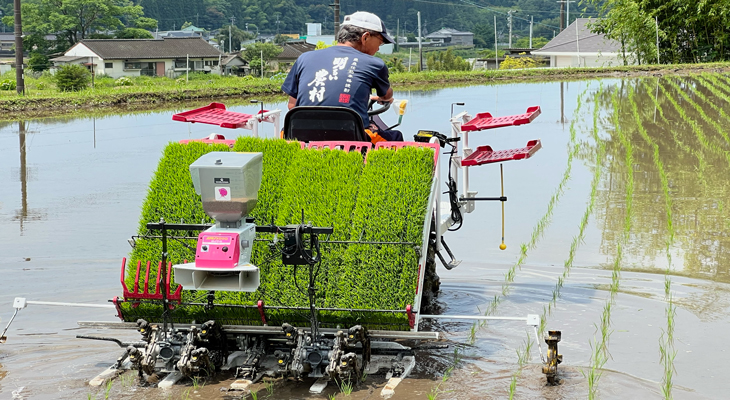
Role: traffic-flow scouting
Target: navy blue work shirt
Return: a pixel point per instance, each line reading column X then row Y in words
column 339, row 76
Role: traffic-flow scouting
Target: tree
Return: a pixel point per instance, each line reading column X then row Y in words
column 321, row 45
column 38, row 61
column 395, row 64
column 149, row 24
column 186, row 25
column 280, row 39
column 73, row 20
column 626, row 22
column 72, row 78
column 447, row 61
column 537, row 42
column 254, row 50
column 133, row 33
column 237, row 37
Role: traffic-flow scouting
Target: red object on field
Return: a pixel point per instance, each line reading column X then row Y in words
column 486, row 121
column 145, row 294
column 411, row 316
column 485, row 154
column 260, row 305
column 214, row 114
column 212, row 139
column 400, row 145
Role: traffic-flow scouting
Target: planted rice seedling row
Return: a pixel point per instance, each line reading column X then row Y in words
column 714, row 106
column 692, row 123
column 714, row 146
column 600, row 355
column 702, row 164
column 384, row 199
column 666, row 341
column 578, row 239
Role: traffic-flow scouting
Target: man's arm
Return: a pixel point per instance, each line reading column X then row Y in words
column 293, row 102
column 388, row 98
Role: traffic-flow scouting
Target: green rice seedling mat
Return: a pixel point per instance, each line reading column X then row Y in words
column 381, row 199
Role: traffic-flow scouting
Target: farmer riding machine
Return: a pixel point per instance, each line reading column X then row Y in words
column 281, row 265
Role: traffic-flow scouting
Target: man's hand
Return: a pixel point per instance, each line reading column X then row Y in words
column 388, row 98
column 382, row 100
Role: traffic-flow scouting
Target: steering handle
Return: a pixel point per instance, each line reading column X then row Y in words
column 385, row 107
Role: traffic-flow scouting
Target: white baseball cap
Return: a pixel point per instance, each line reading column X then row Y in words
column 368, row 21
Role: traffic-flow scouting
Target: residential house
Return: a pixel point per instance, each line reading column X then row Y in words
column 451, row 37
column 234, row 64
column 577, row 46
column 7, row 43
column 169, row 56
column 290, row 52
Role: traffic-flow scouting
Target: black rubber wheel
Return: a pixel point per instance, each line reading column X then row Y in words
column 431, row 281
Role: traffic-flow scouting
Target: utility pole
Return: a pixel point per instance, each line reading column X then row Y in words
column 23, row 176
column 337, row 17
column 19, row 74
column 562, row 15
column 397, row 33
column 509, row 19
column 197, row 21
column 656, row 21
column 496, row 56
column 531, row 31
column 233, row 19
column 420, row 51
column 565, row 4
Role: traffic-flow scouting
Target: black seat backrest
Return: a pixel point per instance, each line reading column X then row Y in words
column 313, row 123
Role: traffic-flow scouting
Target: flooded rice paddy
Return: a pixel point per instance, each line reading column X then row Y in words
column 616, row 233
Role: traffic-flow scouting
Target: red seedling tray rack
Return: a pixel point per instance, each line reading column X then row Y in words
column 145, row 294
column 486, row 121
column 214, row 114
column 486, row 155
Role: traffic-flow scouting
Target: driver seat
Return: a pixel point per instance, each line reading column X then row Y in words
column 320, row 123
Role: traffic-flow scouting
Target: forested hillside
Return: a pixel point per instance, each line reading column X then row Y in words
column 476, row 16
column 289, row 16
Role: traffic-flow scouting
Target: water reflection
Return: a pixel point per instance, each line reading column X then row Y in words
column 694, row 155
column 25, row 174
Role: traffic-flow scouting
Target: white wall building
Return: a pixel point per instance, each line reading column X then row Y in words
column 169, row 56
column 577, row 46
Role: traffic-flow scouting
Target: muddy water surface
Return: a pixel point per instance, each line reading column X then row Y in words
column 71, row 190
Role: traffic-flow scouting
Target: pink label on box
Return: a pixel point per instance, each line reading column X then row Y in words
column 217, row 240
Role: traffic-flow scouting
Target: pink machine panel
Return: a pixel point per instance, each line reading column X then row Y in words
column 217, row 250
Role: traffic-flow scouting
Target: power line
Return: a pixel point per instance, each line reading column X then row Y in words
column 470, row 4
